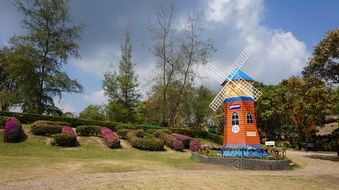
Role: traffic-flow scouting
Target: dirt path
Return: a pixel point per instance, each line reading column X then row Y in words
column 317, row 171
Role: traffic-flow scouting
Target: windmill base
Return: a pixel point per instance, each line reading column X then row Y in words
column 253, row 150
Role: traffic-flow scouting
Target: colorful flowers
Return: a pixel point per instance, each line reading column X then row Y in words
column 13, row 131
column 111, row 138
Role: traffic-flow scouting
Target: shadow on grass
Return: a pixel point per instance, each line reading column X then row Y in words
column 332, row 158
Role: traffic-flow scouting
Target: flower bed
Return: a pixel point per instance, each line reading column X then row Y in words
column 195, row 145
column 13, row 131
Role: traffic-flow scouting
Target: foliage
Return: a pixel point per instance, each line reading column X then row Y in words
column 186, row 140
column 121, row 87
column 123, row 133
column 140, row 133
column 45, row 128
column 150, row 144
column 93, row 112
column 292, row 109
column 195, row 145
column 88, row 130
column 2, row 122
column 36, row 59
column 177, row 52
column 159, row 131
column 28, row 118
column 13, row 131
column 177, row 145
column 64, row 139
column 111, row 138
column 324, row 62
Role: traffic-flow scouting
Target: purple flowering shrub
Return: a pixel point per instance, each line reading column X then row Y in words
column 183, row 138
column 111, row 138
column 195, row 145
column 13, row 131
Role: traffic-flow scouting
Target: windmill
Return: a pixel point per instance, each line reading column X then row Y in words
column 238, row 95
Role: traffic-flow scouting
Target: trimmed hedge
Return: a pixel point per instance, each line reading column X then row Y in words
column 64, row 139
column 46, row 128
column 88, row 130
column 199, row 134
column 28, row 118
column 147, row 142
column 160, row 131
column 123, row 133
column 13, row 131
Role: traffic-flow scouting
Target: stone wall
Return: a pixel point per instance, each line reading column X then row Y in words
column 242, row 162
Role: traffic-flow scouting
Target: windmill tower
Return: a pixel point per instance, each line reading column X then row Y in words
column 238, row 96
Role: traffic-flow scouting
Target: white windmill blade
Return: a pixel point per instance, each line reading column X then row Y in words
column 217, row 75
column 241, row 59
column 220, row 97
column 247, row 87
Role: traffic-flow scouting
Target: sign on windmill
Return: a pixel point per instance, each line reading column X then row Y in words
column 238, row 95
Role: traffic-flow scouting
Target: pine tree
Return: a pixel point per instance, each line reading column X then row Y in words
column 121, row 87
column 38, row 56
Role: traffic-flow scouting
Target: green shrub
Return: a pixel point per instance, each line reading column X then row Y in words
column 168, row 139
column 2, row 122
column 130, row 136
column 64, row 139
column 123, row 133
column 151, row 131
column 140, row 133
column 45, row 128
column 28, row 118
column 159, row 131
column 150, row 144
column 125, row 126
column 88, row 130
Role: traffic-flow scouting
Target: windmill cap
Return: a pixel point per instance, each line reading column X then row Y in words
column 237, row 74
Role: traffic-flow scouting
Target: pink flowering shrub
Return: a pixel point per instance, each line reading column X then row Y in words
column 13, row 131
column 177, row 145
column 195, row 145
column 66, row 138
column 183, row 138
column 68, row 130
column 111, row 138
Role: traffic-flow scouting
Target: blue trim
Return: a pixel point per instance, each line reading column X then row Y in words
column 241, row 74
column 238, row 98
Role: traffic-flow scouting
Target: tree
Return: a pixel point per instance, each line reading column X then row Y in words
column 121, row 87
column 8, row 95
column 38, row 56
column 93, row 112
column 177, row 51
column 324, row 63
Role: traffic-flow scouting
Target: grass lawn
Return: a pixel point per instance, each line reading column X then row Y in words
column 35, row 164
column 35, row 158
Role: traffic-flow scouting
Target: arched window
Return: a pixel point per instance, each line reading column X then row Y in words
column 235, row 118
column 249, row 117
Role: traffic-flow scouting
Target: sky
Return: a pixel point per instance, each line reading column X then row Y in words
column 281, row 33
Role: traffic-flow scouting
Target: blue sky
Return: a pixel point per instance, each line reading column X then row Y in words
column 282, row 34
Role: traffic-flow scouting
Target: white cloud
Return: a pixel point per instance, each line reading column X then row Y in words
column 65, row 106
column 277, row 54
column 100, row 61
column 97, row 97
